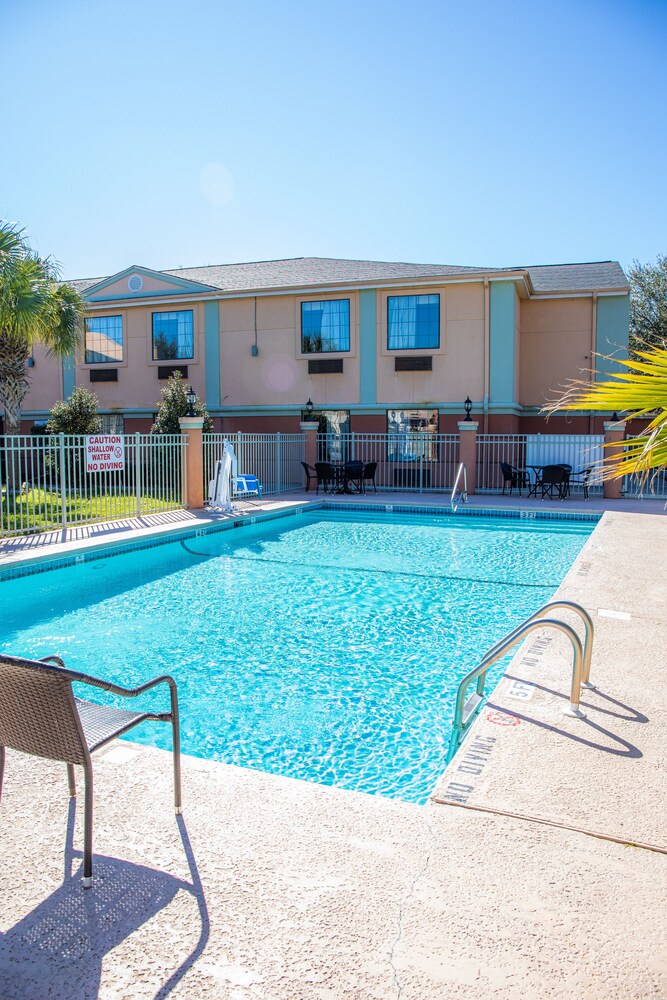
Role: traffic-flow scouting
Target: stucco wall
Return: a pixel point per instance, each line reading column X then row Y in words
column 138, row 385
column 458, row 364
column 555, row 345
column 278, row 375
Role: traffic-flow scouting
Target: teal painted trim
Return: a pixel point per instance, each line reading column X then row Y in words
column 212, row 350
column 612, row 332
column 69, row 376
column 367, row 346
column 194, row 286
column 501, row 336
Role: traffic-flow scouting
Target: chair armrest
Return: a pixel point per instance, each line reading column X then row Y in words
column 123, row 691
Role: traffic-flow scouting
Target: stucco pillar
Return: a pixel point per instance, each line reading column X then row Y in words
column 310, row 429
column 614, row 433
column 193, row 466
column 468, row 452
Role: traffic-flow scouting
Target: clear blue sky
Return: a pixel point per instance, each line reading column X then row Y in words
column 180, row 134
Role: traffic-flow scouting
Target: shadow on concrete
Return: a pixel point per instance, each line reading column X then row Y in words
column 622, row 749
column 634, row 715
column 57, row 949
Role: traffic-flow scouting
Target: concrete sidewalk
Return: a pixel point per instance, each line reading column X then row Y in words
column 272, row 888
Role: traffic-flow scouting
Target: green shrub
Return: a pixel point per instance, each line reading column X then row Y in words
column 174, row 404
column 77, row 415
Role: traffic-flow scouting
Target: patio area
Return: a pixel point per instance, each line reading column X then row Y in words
column 539, row 867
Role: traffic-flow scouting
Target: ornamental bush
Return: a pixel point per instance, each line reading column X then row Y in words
column 76, row 415
column 174, row 404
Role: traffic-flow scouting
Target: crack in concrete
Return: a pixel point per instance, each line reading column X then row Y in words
column 404, row 902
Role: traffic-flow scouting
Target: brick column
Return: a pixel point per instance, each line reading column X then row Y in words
column 310, row 428
column 468, row 452
column 614, row 433
column 193, row 467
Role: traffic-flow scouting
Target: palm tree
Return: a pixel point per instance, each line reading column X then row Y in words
column 34, row 307
column 640, row 390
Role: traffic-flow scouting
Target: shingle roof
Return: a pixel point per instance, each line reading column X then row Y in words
column 302, row 272
column 573, row 277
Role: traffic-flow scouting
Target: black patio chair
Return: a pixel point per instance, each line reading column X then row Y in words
column 354, row 477
column 311, row 475
column 581, row 478
column 554, row 478
column 39, row 715
column 517, row 478
column 368, row 475
column 326, row 477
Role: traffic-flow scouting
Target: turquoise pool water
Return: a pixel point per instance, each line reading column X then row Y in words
column 325, row 646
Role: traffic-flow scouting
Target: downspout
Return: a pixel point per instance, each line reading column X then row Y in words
column 594, row 334
column 487, row 353
column 254, row 350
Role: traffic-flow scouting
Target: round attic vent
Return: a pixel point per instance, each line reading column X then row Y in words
column 135, row 282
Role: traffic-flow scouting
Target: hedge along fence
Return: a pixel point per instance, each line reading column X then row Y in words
column 45, row 482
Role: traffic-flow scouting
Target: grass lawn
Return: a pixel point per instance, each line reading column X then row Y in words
column 42, row 510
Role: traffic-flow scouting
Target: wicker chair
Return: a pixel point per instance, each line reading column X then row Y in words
column 311, row 474
column 517, row 478
column 368, row 475
column 326, row 477
column 554, row 478
column 354, row 477
column 39, row 715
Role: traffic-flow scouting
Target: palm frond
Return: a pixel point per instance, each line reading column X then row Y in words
column 639, row 390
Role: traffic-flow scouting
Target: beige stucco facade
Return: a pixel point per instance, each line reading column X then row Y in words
column 508, row 349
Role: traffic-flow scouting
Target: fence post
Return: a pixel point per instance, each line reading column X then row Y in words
column 614, row 433
column 193, row 428
column 63, row 481
column 137, row 474
column 468, row 451
column 278, row 464
column 310, row 428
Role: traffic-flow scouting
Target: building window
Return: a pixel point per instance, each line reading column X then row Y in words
column 112, row 423
column 333, row 434
column 325, row 326
column 104, row 340
column 413, row 322
column 412, row 435
column 173, row 335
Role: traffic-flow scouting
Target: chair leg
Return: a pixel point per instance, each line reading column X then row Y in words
column 2, row 767
column 87, row 879
column 71, row 781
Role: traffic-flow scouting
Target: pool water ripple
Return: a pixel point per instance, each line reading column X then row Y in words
column 324, row 647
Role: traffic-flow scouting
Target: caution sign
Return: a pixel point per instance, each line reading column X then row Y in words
column 105, row 453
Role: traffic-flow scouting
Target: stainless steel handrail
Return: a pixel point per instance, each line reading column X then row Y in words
column 463, row 495
column 465, row 711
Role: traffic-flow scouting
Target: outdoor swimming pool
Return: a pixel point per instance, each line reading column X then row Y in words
column 325, row 646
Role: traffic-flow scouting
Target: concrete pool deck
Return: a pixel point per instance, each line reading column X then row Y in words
column 271, row 888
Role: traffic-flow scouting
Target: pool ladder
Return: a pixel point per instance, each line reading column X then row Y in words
column 465, row 712
column 462, row 496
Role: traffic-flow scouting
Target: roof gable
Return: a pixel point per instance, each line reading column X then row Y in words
column 140, row 282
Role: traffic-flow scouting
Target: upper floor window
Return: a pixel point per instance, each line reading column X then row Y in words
column 413, row 322
column 104, row 340
column 173, row 335
column 325, row 326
